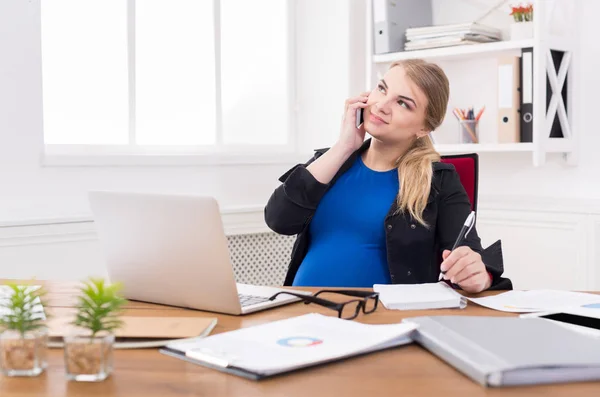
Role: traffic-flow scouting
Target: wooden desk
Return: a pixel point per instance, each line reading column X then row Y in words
column 408, row 370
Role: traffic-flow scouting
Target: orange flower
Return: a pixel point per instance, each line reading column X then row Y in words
column 522, row 12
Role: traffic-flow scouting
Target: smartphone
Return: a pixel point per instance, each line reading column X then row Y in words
column 359, row 117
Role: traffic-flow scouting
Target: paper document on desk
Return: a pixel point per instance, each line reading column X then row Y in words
column 6, row 293
column 536, row 300
column 290, row 344
column 419, row 296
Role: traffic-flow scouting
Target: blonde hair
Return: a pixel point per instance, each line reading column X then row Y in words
column 415, row 166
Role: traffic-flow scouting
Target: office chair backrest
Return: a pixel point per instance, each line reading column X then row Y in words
column 467, row 166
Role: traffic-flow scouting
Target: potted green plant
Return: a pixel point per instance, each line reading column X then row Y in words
column 24, row 337
column 88, row 355
column 522, row 28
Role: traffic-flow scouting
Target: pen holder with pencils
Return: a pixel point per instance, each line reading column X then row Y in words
column 468, row 124
column 468, row 131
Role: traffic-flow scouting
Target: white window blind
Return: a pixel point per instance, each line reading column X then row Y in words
column 137, row 75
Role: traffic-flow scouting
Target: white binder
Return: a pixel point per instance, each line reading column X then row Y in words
column 391, row 18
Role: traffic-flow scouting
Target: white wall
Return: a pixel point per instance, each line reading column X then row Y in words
column 30, row 191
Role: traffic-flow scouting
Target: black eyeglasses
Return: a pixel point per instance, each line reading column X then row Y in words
column 346, row 310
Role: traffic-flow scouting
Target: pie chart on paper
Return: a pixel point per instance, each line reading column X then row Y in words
column 299, row 341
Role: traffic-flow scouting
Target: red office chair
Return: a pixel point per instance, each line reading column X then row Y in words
column 467, row 166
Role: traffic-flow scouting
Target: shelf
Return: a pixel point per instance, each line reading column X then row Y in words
column 456, row 52
column 559, row 145
column 479, row 60
column 484, row 148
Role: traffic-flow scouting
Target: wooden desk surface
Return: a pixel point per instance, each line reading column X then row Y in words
column 407, row 370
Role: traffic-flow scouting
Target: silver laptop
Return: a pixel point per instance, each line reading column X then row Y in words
column 172, row 250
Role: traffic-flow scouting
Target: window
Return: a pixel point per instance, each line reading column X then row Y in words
column 165, row 76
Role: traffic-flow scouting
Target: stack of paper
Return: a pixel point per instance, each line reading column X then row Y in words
column 419, row 296
column 450, row 35
column 285, row 345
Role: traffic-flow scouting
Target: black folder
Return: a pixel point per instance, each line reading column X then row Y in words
column 526, row 111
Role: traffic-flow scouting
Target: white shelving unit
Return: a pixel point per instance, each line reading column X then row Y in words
column 549, row 15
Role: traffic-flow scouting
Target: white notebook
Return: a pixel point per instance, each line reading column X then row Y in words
column 287, row 345
column 419, row 296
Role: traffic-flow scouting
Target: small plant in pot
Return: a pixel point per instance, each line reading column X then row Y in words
column 522, row 28
column 89, row 355
column 24, row 337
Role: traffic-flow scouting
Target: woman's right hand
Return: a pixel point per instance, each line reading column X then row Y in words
column 351, row 138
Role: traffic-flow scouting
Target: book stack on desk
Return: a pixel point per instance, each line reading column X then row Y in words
column 450, row 35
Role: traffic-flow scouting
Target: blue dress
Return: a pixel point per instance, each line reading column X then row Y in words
column 347, row 233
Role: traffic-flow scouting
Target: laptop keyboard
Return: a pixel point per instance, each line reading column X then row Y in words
column 247, row 300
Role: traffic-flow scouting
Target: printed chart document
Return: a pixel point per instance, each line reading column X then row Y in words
column 419, row 296
column 536, row 300
column 286, row 345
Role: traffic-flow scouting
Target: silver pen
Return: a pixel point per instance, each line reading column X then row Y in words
column 468, row 225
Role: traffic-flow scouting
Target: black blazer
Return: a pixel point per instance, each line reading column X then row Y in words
column 414, row 252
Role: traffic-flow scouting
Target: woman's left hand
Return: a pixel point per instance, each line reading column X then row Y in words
column 464, row 267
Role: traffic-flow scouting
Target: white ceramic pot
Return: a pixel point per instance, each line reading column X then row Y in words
column 521, row 30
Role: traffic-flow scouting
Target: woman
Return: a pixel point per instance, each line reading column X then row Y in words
column 385, row 210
